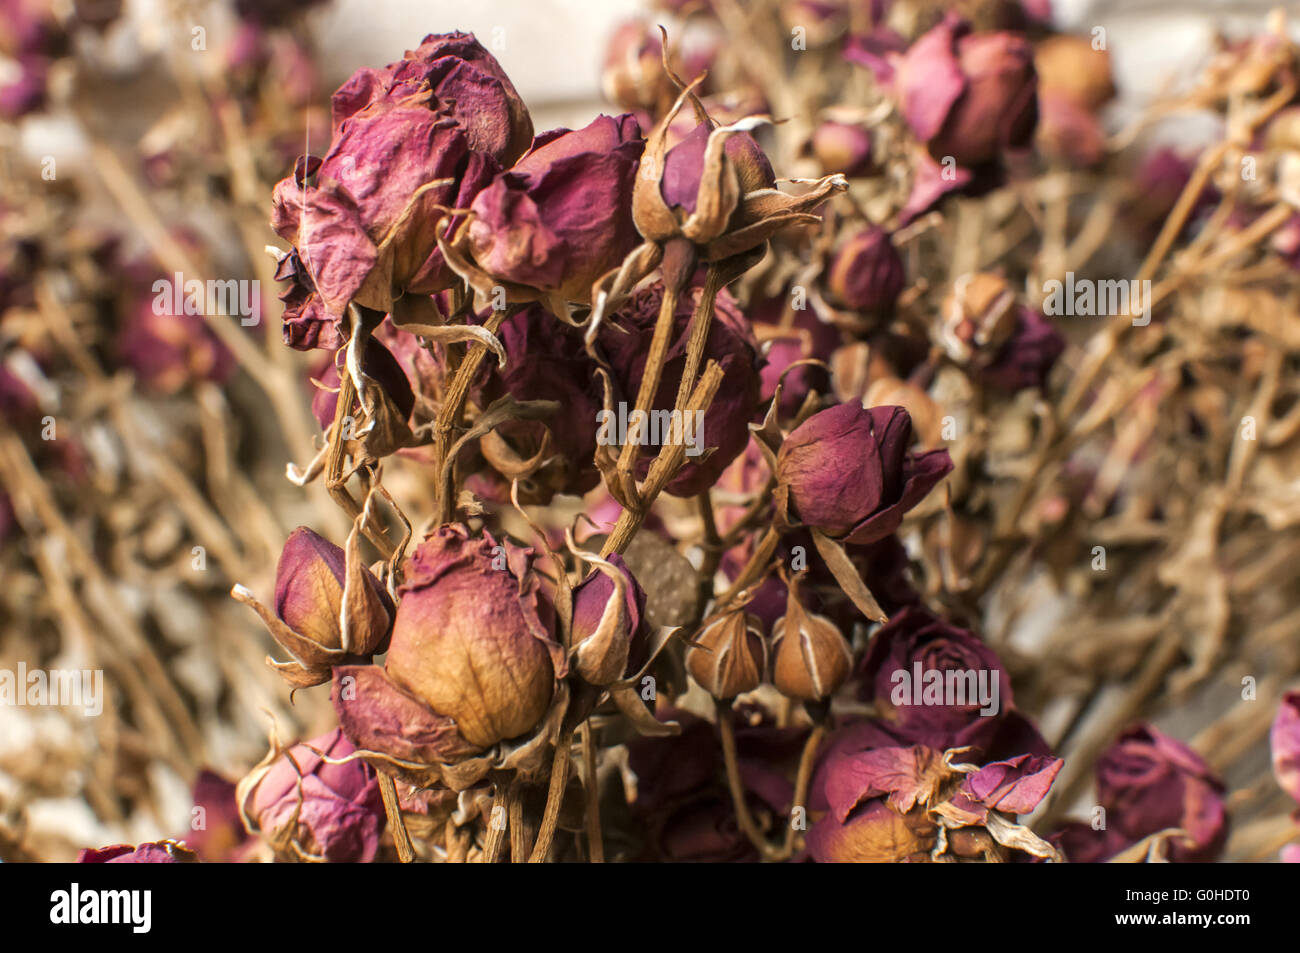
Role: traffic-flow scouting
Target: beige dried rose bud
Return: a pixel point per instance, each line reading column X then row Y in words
column 978, row 315
column 811, row 659
column 729, row 656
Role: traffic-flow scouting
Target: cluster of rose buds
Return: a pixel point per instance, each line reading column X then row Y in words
column 702, row 468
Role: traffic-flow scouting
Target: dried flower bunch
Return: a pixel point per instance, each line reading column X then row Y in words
column 857, row 449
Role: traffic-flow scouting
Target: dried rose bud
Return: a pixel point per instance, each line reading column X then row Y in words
column 473, row 635
column 1149, row 782
column 968, row 95
column 926, row 414
column 156, row 852
column 1068, row 132
column 843, row 147
column 730, row 656
column 847, row 472
column 633, row 75
column 810, row 657
column 378, row 363
column 608, row 608
column 1027, row 357
column 866, row 272
column 221, row 836
column 896, row 674
column 312, row 809
column 1284, row 742
column 1069, row 66
column 169, row 351
column 559, row 219
column 977, row 316
column 329, row 609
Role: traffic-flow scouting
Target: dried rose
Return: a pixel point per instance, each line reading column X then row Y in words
column 608, row 628
column 928, row 674
column 968, row 95
column 473, row 635
column 1149, row 782
column 1073, row 67
column 874, row 834
column 865, row 273
column 1027, row 357
column 156, row 852
column 633, row 75
column 169, row 351
column 310, row 808
column 843, row 147
column 545, row 360
column 220, row 835
column 378, row 363
column 560, row 217
column 847, row 472
column 729, row 656
column 810, row 657
column 467, row 84
column 329, row 609
column 1284, row 742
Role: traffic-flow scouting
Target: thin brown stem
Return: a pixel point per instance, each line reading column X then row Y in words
column 554, row 799
column 401, row 837
column 743, row 817
column 591, row 786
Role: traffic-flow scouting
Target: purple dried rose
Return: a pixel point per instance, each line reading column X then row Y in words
column 221, row 835
column 545, row 360
column 1149, row 782
column 156, row 852
column 1284, row 742
column 473, row 638
column 928, row 675
column 968, row 95
column 1027, row 357
column 725, row 425
column 560, row 217
column 329, row 610
column 312, row 809
column 847, row 471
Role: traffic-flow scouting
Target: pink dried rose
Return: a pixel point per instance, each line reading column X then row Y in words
column 865, row 273
column 848, row 472
column 887, row 803
column 411, row 141
column 1149, row 782
column 329, row 610
column 474, row 636
column 560, row 217
column 609, row 634
column 633, row 75
column 312, row 809
column 843, row 147
column 970, row 96
column 156, row 852
column 217, row 833
column 467, row 83
column 1284, row 743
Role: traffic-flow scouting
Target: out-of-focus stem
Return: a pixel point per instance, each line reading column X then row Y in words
column 743, row 817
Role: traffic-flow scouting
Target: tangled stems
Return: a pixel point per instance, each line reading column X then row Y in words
column 453, row 405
